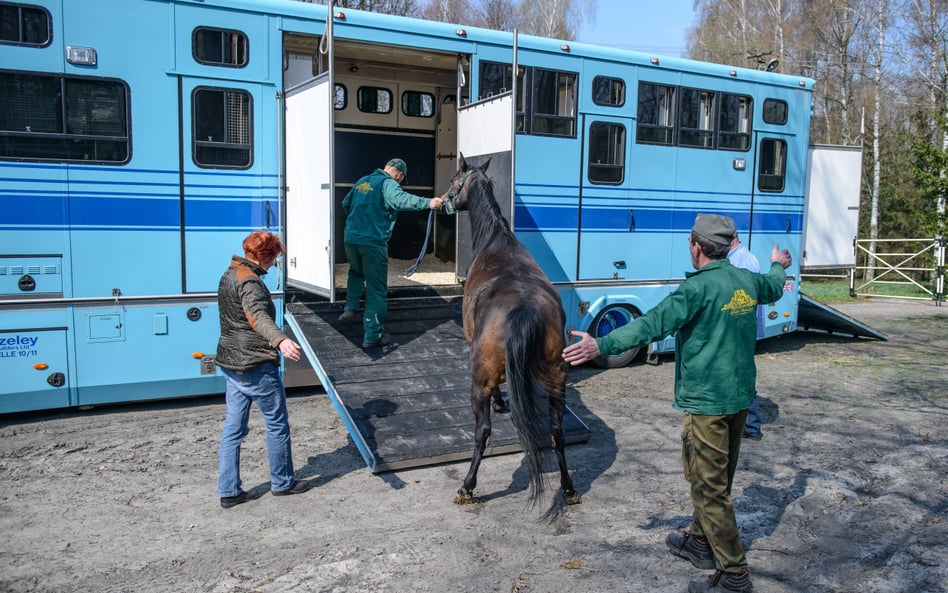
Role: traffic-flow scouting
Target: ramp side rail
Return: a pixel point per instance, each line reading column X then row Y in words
column 326, row 380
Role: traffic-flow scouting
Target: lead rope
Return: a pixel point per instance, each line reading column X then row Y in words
column 424, row 247
column 448, row 209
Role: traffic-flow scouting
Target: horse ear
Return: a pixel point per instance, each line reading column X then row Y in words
column 483, row 167
column 464, row 166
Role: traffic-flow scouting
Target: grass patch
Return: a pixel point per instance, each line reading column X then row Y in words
column 831, row 291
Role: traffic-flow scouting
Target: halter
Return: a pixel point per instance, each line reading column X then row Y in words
column 454, row 191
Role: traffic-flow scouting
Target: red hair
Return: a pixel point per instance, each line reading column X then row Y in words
column 261, row 245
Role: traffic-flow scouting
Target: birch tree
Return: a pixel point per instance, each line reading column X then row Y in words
column 448, row 11
column 558, row 19
column 500, row 15
column 878, row 58
column 397, row 7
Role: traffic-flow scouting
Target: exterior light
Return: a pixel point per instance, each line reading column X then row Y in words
column 655, row 61
column 565, row 47
column 81, row 56
column 733, row 72
column 340, row 15
column 41, row 366
column 197, row 355
column 460, row 32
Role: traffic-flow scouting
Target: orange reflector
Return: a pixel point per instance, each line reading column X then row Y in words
column 786, row 313
column 41, row 366
column 198, row 355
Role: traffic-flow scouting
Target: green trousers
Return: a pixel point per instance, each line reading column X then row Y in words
column 368, row 275
column 709, row 449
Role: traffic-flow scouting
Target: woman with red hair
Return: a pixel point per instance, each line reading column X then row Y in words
column 248, row 355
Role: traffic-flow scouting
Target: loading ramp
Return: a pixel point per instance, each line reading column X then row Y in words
column 814, row 315
column 407, row 404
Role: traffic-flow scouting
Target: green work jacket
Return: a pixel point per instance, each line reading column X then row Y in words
column 714, row 314
column 372, row 207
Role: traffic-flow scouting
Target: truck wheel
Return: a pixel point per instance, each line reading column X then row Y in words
column 609, row 319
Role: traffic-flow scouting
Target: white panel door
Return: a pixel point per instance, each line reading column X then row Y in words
column 309, row 198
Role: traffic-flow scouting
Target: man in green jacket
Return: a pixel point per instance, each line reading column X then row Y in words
column 714, row 312
column 372, row 207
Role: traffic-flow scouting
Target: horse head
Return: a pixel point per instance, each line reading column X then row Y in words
column 460, row 183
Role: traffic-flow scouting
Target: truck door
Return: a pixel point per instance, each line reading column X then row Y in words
column 776, row 214
column 227, row 155
column 622, row 236
column 485, row 130
column 309, row 182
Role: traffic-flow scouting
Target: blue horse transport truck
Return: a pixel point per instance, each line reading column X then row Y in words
column 142, row 140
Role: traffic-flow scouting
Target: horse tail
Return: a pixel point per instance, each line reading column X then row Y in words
column 524, row 349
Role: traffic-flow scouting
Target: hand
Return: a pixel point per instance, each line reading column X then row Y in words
column 582, row 351
column 289, row 349
column 436, row 203
column 781, row 257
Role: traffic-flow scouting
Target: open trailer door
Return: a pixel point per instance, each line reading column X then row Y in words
column 831, row 211
column 486, row 131
column 309, row 182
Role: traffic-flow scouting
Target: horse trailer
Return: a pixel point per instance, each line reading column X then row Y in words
column 141, row 140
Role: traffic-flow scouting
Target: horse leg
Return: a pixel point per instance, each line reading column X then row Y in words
column 498, row 404
column 557, row 409
column 480, row 404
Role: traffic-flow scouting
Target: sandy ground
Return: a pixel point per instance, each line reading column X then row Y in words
column 430, row 272
column 846, row 493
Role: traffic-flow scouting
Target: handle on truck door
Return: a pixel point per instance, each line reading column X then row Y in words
column 631, row 220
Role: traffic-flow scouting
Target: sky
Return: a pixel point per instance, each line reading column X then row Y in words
column 658, row 26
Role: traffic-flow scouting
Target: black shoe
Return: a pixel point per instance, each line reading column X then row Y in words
column 298, row 487
column 232, row 501
column 691, row 548
column 752, row 436
column 382, row 341
column 723, row 582
column 348, row 316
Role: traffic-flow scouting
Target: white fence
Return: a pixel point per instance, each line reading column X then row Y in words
column 901, row 262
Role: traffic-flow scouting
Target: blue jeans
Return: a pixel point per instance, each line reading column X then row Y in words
column 263, row 385
column 752, row 426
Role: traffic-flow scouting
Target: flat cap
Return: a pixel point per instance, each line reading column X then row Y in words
column 715, row 228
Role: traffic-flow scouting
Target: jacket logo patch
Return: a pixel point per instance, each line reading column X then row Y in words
column 364, row 187
column 741, row 303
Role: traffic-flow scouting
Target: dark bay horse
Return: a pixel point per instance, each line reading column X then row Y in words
column 513, row 320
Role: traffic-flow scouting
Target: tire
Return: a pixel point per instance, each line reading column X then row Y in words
column 609, row 319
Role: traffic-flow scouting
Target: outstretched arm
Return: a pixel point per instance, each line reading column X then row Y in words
column 582, row 351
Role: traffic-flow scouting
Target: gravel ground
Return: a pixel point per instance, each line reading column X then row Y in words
column 845, row 493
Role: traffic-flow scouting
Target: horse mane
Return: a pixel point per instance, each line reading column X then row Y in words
column 489, row 229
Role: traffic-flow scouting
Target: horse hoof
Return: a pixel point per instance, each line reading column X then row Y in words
column 572, row 498
column 499, row 407
column 464, row 497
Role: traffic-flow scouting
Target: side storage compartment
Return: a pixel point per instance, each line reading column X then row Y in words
column 34, row 368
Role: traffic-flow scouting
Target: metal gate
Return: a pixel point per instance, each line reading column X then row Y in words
column 900, row 263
